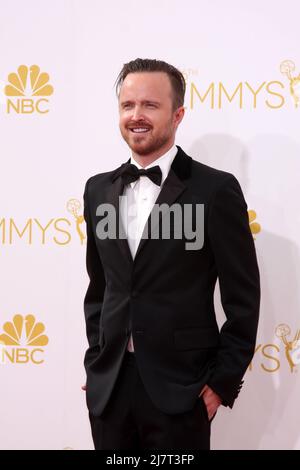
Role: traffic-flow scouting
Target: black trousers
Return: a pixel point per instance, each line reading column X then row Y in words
column 131, row 421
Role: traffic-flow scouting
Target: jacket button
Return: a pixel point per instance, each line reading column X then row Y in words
column 134, row 294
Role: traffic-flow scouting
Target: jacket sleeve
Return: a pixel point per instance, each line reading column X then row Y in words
column 94, row 296
column 235, row 257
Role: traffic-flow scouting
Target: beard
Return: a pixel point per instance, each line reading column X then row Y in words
column 147, row 144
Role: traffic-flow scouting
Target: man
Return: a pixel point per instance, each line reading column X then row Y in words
column 157, row 365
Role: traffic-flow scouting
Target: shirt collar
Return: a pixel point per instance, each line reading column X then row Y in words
column 164, row 162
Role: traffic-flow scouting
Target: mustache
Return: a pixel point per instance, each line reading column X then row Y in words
column 139, row 124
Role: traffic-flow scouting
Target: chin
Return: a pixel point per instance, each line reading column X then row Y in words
column 139, row 148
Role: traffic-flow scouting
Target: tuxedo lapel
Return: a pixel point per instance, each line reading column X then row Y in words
column 172, row 188
column 114, row 191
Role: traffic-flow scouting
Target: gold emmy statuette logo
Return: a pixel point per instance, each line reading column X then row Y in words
column 74, row 206
column 287, row 67
column 23, row 338
column 26, row 83
column 254, row 226
column 292, row 348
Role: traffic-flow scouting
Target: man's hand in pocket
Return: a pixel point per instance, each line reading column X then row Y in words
column 212, row 401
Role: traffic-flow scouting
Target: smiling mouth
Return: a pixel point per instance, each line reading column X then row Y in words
column 140, row 130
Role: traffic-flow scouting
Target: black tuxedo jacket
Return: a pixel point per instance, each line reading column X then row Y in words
column 165, row 295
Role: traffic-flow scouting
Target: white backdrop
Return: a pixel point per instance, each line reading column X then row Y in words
column 53, row 141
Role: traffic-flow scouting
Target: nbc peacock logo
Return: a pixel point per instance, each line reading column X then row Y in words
column 23, row 341
column 25, row 89
column 255, row 227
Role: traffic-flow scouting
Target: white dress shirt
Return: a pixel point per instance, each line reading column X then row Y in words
column 140, row 199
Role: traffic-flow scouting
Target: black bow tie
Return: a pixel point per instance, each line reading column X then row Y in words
column 130, row 173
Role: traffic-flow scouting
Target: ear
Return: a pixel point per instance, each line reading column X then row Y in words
column 178, row 115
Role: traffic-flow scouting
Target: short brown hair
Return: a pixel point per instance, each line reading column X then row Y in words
column 152, row 65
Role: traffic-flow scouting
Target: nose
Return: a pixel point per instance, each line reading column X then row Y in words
column 137, row 113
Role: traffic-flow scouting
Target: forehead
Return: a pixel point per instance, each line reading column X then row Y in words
column 146, row 85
